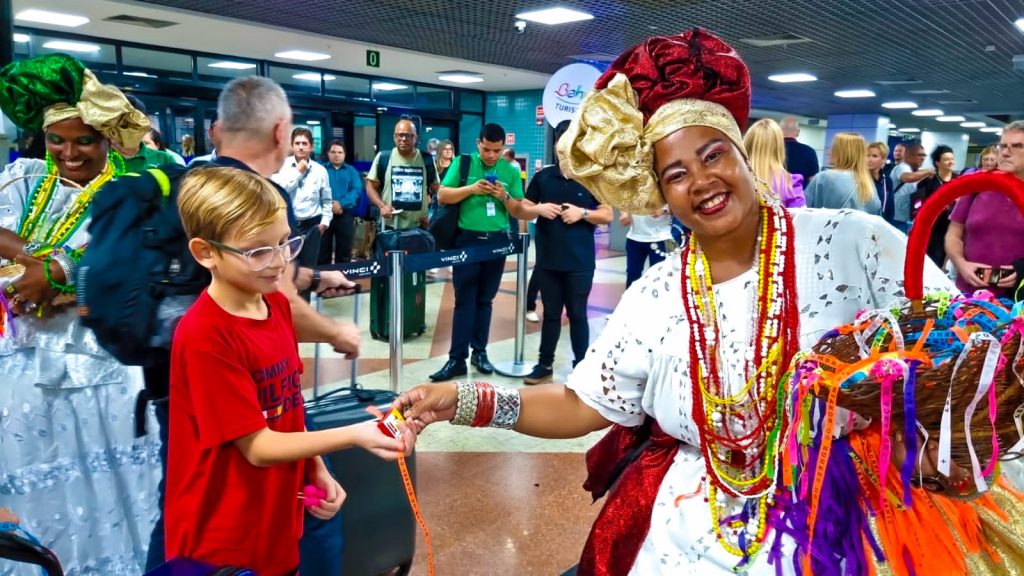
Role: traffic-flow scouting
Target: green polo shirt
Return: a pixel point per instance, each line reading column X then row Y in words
column 479, row 213
column 147, row 158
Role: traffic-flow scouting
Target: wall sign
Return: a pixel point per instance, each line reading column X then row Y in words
column 540, row 115
column 510, row 139
column 565, row 91
column 373, row 58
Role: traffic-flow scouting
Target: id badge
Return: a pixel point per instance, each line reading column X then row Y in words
column 492, row 210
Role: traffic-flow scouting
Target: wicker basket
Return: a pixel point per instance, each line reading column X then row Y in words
column 936, row 371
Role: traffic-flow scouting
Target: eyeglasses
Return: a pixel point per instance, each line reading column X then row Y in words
column 1013, row 145
column 404, row 136
column 261, row 258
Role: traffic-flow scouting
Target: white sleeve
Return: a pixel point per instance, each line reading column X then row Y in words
column 14, row 189
column 883, row 252
column 288, row 179
column 612, row 377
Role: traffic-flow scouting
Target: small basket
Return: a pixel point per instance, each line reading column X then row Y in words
column 967, row 340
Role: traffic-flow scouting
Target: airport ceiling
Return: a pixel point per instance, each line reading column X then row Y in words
column 958, row 52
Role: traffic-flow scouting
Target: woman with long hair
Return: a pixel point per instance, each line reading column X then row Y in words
column 877, row 153
column 767, row 150
column 848, row 183
column 70, row 465
column 691, row 368
column 443, row 158
column 987, row 161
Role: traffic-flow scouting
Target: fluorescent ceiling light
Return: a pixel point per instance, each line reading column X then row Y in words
column 388, row 86
column 313, row 122
column 460, row 78
column 66, row 46
column 794, row 77
column 233, row 65
column 909, row 130
column 21, row 38
column 901, row 105
column 555, row 16
column 302, row 55
column 892, row 126
column 139, row 74
column 972, row 124
column 992, row 130
column 855, row 94
column 314, row 77
column 927, row 112
column 53, row 18
column 1020, row 24
column 951, row 118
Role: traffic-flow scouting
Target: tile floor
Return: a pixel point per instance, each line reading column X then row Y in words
column 496, row 502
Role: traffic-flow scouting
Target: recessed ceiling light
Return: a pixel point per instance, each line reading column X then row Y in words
column 460, row 78
column 233, row 65
column 909, row 130
column 302, row 55
column 139, row 74
column 927, row 112
column 972, row 124
column 314, row 77
column 855, row 94
column 21, row 38
column 388, row 86
column 53, row 18
column 1020, row 24
column 555, row 16
column 794, row 77
column 951, row 118
column 67, row 46
column 902, row 105
column 312, row 122
column 992, row 130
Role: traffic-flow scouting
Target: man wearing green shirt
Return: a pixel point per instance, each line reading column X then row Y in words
column 492, row 191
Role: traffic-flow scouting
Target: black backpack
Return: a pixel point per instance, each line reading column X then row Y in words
column 430, row 177
column 138, row 278
column 444, row 218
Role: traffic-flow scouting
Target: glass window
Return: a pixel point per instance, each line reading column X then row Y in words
column 154, row 63
column 469, row 131
column 393, row 92
column 97, row 56
column 348, row 87
column 224, row 69
column 471, row 101
column 437, row 98
column 298, row 80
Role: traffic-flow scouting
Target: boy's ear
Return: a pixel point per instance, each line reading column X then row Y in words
column 203, row 252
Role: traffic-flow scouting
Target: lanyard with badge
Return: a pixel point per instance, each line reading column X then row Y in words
column 492, row 210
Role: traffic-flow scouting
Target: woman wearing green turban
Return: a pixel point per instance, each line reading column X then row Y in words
column 70, row 465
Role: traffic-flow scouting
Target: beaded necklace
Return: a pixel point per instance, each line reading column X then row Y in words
column 741, row 432
column 34, row 218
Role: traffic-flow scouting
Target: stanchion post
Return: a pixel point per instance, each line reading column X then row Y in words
column 395, row 337
column 517, row 368
column 314, row 300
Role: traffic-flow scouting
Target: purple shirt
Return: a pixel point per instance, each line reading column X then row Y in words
column 993, row 233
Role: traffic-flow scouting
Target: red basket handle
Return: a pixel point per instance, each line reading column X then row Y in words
column 917, row 247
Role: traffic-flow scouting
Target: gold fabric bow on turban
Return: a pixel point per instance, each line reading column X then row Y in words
column 104, row 108
column 610, row 151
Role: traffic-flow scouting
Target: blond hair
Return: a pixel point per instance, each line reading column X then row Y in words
column 881, row 147
column 849, row 152
column 767, row 152
column 215, row 203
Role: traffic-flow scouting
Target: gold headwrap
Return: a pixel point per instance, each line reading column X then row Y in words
column 104, row 108
column 610, row 151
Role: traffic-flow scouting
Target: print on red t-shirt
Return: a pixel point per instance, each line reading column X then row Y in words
column 231, row 377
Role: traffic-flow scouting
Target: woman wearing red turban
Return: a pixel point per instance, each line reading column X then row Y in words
column 690, row 368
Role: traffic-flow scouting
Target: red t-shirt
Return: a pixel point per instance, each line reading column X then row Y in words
column 231, row 377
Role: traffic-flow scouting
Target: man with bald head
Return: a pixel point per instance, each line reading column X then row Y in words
column 800, row 158
column 402, row 179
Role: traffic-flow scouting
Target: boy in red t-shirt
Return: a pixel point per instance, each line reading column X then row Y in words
column 239, row 454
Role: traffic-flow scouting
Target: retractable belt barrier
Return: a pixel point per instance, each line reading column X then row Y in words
column 429, row 260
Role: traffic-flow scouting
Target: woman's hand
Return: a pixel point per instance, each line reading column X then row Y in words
column 323, row 480
column 969, row 272
column 929, row 467
column 31, row 290
column 428, row 403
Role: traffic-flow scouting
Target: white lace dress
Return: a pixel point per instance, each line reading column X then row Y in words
column 846, row 261
column 70, row 465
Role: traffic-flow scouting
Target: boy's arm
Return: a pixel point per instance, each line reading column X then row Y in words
column 267, row 447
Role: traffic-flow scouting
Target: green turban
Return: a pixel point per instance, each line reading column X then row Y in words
column 39, row 92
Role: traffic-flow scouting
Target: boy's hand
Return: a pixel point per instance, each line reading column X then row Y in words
column 330, row 505
column 368, row 436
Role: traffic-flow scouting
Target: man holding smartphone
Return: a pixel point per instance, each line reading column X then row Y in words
column 985, row 239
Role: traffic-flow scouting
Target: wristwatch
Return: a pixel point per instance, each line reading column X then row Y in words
column 507, row 197
column 585, row 213
column 315, row 283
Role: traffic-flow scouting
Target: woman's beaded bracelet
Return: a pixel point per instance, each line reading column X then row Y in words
column 481, row 404
column 62, row 288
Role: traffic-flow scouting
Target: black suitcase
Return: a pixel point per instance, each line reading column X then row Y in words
column 414, row 288
column 377, row 521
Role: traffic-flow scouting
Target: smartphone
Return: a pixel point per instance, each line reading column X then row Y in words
column 492, row 178
column 993, row 276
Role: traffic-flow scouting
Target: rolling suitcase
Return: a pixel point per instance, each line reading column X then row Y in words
column 414, row 285
column 377, row 521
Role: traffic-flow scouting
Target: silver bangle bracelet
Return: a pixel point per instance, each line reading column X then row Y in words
column 68, row 265
column 506, row 407
column 465, row 407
